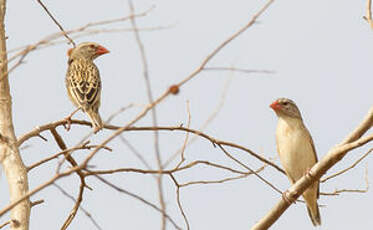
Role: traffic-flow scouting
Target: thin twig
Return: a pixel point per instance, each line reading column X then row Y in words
column 348, row 168
column 222, row 180
column 37, row 202
column 179, row 202
column 170, row 171
column 111, row 117
column 213, row 181
column 60, row 142
column 89, row 32
column 57, row 23
column 89, row 215
column 212, row 116
column 186, row 138
column 339, row 191
column 73, row 212
column 237, row 70
column 121, row 190
column 248, row 168
column 5, row 224
column 49, row 40
column 84, row 146
column 121, row 110
column 153, row 112
column 135, row 152
column 226, row 42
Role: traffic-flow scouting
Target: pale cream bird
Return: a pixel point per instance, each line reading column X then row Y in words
column 296, row 150
column 83, row 80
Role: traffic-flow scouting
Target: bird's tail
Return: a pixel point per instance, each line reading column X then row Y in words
column 96, row 120
column 310, row 196
column 314, row 214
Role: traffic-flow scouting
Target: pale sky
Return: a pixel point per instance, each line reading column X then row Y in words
column 319, row 50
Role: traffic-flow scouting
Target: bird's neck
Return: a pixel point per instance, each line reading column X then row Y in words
column 290, row 122
column 81, row 60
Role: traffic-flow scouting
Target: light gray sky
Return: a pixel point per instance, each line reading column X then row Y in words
column 320, row 51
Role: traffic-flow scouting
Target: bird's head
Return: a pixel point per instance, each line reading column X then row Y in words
column 87, row 50
column 286, row 107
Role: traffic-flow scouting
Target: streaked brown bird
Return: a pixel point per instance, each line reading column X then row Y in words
column 297, row 151
column 83, row 81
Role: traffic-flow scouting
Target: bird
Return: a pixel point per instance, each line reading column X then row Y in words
column 296, row 151
column 83, row 82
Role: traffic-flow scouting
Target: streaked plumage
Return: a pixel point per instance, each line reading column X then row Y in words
column 83, row 81
column 296, row 150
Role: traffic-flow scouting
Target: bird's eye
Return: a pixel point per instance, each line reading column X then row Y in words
column 92, row 46
column 285, row 103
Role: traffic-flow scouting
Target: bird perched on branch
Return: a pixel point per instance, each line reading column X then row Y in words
column 83, row 81
column 297, row 151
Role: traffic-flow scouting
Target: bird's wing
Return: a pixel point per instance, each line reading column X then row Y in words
column 315, row 155
column 292, row 180
column 83, row 81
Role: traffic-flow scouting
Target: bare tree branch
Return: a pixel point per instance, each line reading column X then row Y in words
column 54, row 156
column 227, row 41
column 89, row 215
column 11, row 161
column 222, row 180
column 56, row 22
column 5, row 224
column 179, row 202
column 213, row 140
column 121, row 190
column 250, row 170
column 153, row 112
column 37, row 202
column 248, row 71
column 368, row 14
column 49, row 40
column 348, row 168
column 186, row 138
column 135, row 152
column 206, row 123
column 169, row 171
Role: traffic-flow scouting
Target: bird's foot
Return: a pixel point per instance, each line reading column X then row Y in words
column 308, row 173
column 67, row 119
column 67, row 125
column 96, row 129
column 285, row 196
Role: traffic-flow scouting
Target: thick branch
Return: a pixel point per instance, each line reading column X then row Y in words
column 11, row 161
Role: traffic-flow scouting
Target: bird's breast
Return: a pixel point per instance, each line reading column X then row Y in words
column 294, row 149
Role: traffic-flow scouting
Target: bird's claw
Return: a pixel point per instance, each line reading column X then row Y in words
column 308, row 173
column 96, row 130
column 286, row 198
column 67, row 125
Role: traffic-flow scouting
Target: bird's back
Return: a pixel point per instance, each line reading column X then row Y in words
column 83, row 84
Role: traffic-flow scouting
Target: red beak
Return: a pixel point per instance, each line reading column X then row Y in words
column 101, row 50
column 275, row 105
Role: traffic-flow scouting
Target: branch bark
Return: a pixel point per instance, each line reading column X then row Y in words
column 15, row 170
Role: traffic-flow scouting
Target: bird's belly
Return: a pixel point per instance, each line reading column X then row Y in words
column 296, row 155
